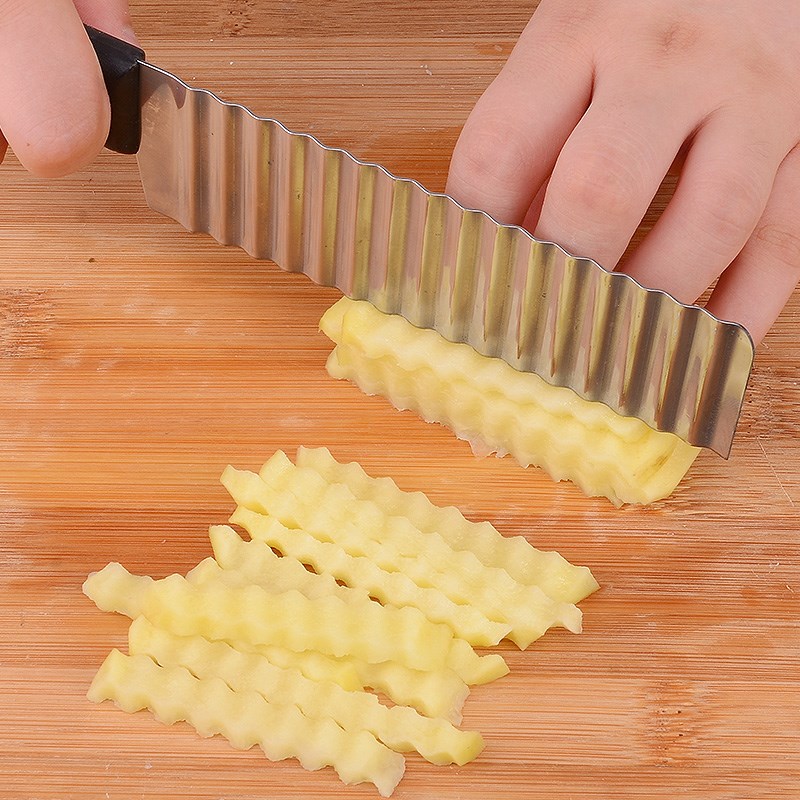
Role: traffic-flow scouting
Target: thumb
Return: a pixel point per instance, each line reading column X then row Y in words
column 109, row 16
column 53, row 107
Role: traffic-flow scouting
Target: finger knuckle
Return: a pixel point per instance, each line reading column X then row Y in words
column 563, row 31
column 600, row 185
column 489, row 157
column 728, row 208
column 780, row 242
column 678, row 35
column 568, row 18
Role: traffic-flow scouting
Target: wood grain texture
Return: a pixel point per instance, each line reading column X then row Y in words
column 137, row 360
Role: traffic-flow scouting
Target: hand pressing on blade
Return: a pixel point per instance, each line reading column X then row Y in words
column 54, row 110
column 601, row 97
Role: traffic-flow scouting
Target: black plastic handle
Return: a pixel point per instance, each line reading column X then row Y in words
column 120, row 64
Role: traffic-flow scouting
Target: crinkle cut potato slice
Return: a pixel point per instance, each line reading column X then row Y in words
column 330, row 512
column 499, row 409
column 245, row 719
column 369, row 631
column 549, row 570
column 439, row 694
column 362, row 574
column 363, row 590
column 400, row 728
column 435, row 693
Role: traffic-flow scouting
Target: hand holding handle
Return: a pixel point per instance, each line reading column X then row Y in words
column 119, row 62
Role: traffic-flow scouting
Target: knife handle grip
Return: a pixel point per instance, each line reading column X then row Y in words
column 119, row 62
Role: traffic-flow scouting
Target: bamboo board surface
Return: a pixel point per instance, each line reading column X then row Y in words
column 137, row 360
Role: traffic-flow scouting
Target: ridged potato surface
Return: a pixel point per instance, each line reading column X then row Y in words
column 499, row 409
column 341, row 633
column 245, row 719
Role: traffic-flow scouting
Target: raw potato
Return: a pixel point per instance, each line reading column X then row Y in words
column 330, row 512
column 369, row 631
column 314, row 665
column 392, row 588
column 499, row 409
column 550, row 571
column 368, row 591
column 258, row 564
column 436, row 693
column 402, row 729
column 245, row 719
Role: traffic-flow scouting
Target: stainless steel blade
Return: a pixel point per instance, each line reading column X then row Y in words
column 248, row 181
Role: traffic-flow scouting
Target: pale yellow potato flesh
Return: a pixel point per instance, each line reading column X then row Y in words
column 316, row 666
column 362, row 574
column 245, row 719
column 499, row 409
column 259, row 648
column 369, row 631
column 435, row 693
column 399, row 728
column 548, row 570
column 300, row 498
column 258, row 564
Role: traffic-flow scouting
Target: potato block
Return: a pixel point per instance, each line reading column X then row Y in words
column 462, row 659
column 439, row 693
column 327, row 558
column 299, row 498
column 245, row 718
column 260, row 565
column 500, row 409
column 368, row 631
column 400, row 728
column 436, row 693
column 550, row 571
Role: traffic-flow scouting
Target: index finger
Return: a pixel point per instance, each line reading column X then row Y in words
column 512, row 137
column 54, row 111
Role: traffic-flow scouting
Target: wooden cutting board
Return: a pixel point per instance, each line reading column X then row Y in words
column 137, row 360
